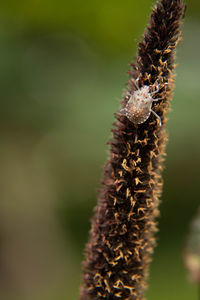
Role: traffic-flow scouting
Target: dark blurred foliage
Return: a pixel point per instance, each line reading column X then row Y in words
column 62, row 71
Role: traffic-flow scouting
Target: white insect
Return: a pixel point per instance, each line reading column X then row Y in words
column 139, row 105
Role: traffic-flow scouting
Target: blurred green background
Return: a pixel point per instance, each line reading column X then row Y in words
column 62, row 72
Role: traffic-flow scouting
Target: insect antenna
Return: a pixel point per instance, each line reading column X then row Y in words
column 136, row 83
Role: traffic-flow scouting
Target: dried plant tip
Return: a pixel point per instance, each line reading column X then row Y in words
column 192, row 250
column 121, row 239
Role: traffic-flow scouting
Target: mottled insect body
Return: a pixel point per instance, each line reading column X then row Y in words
column 139, row 105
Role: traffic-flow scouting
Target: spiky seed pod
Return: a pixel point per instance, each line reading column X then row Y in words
column 121, row 239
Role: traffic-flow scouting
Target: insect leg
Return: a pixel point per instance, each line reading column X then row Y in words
column 157, row 99
column 160, row 123
column 123, row 111
column 157, row 89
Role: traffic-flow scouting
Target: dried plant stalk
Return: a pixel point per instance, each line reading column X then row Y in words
column 191, row 252
column 122, row 239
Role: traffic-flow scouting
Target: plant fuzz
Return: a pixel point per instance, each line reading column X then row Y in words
column 121, row 239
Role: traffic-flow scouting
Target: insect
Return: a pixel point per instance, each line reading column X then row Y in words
column 139, row 105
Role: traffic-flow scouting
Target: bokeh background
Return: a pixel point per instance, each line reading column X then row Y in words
column 63, row 69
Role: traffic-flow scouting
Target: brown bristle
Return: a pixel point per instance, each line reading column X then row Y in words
column 122, row 239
